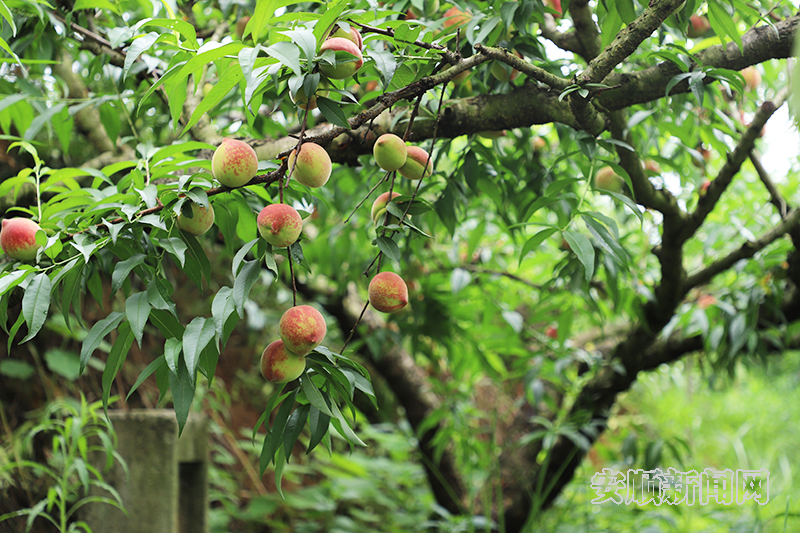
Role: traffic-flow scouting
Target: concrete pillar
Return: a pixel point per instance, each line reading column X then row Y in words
column 166, row 489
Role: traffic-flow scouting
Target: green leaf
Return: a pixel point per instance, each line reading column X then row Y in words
column 333, row 112
column 294, row 426
column 223, row 309
column 722, row 23
column 198, row 334
column 9, row 280
column 182, row 388
column 6, row 14
column 288, row 54
column 199, row 266
column 230, row 78
column 181, row 26
column 123, row 269
column 136, row 48
column 137, row 310
column 389, row 248
column 97, row 334
column 175, row 246
column 172, row 353
column 583, row 248
column 146, row 373
column 247, row 277
column 35, row 304
column 535, row 242
column 315, row 396
column 274, row 437
column 166, row 323
column 116, row 357
column 318, row 423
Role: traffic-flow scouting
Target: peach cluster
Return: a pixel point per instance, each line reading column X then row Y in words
column 302, row 328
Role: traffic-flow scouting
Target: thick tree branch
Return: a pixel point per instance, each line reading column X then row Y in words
column 585, row 28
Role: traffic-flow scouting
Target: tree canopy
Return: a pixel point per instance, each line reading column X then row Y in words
column 598, row 207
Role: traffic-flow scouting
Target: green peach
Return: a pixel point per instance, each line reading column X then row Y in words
column 200, row 222
column 608, row 180
column 312, row 168
column 279, row 365
column 234, row 163
column 18, row 238
column 388, row 293
column 417, row 160
column 302, row 329
column 280, row 225
column 390, row 152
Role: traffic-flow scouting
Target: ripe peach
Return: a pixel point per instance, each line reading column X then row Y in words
column 345, row 67
column 752, row 78
column 388, row 292
column 455, row 17
column 608, row 180
column 302, row 329
column 417, row 161
column 280, row 225
column 312, row 168
column 353, row 35
column 18, row 238
column 556, row 6
column 698, row 26
column 379, row 208
column 234, row 163
column 551, row 331
column 200, row 222
column 279, row 365
column 390, row 152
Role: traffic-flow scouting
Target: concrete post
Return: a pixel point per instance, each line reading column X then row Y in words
column 166, row 489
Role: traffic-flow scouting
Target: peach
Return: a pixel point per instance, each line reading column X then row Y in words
column 455, row 17
column 652, row 166
column 350, row 54
column 234, row 163
column 200, row 221
column 608, row 180
column 241, row 24
column 18, row 238
column 388, row 292
column 752, row 78
column 503, row 72
column 555, row 5
column 300, row 99
column 353, row 35
column 312, row 168
column 280, row 225
column 302, row 329
column 379, row 208
column 390, row 152
column 418, row 165
column 279, row 365
column 551, row 331
column 698, row 26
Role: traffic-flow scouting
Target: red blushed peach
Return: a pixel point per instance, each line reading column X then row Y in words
column 415, row 163
column 280, row 225
column 608, row 180
column 234, row 163
column 752, row 78
column 379, row 208
column 302, row 329
column 388, row 293
column 200, row 222
column 390, row 152
column 18, row 238
column 279, row 365
column 455, row 17
column 353, row 35
column 698, row 26
column 347, row 67
column 312, row 168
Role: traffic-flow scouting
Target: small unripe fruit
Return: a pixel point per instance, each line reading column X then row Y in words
column 234, row 163
column 279, row 365
column 698, row 26
column 353, row 35
column 347, row 68
column 300, row 99
column 312, row 168
column 302, row 329
column 241, row 25
column 417, row 161
column 390, row 152
column 379, row 208
column 18, row 238
column 280, row 225
column 608, row 180
column 388, row 292
column 752, row 78
column 200, row 222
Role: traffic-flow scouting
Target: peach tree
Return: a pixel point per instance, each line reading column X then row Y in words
column 544, row 187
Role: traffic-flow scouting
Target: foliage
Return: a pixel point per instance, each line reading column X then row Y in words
column 536, row 297
column 79, row 435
